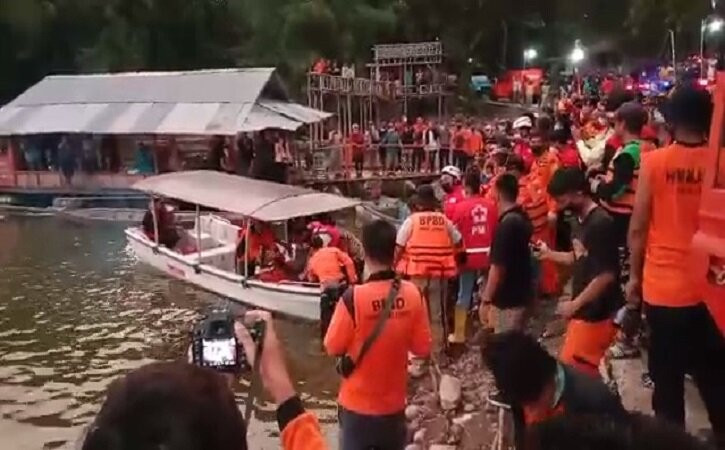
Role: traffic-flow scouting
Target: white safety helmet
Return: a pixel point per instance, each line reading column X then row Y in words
column 523, row 122
column 453, row 171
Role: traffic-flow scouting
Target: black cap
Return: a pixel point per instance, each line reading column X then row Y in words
column 426, row 196
column 689, row 107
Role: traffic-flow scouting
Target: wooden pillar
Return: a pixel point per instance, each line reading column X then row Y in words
column 440, row 107
column 320, row 125
column 12, row 162
column 154, row 149
column 340, row 117
column 349, row 113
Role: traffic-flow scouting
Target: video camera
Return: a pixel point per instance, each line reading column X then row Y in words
column 214, row 343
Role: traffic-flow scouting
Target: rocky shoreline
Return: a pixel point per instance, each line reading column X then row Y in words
column 447, row 408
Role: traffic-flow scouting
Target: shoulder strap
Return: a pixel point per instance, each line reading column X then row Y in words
column 348, row 299
column 382, row 318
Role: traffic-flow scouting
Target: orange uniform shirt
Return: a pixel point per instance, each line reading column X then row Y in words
column 675, row 175
column 258, row 242
column 380, row 382
column 326, row 266
column 474, row 143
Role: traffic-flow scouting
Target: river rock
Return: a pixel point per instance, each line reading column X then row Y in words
column 413, row 447
column 419, row 436
column 416, row 368
column 412, row 411
column 449, row 392
column 469, row 407
column 442, row 447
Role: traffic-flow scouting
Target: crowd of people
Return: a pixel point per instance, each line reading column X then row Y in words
column 593, row 204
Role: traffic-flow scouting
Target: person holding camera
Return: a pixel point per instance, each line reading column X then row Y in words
column 373, row 328
column 182, row 406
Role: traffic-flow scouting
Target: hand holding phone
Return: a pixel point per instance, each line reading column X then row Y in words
column 272, row 366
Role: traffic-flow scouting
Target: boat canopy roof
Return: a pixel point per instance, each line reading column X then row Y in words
column 261, row 200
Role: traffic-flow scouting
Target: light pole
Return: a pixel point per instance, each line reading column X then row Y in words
column 530, row 54
column 577, row 56
column 710, row 24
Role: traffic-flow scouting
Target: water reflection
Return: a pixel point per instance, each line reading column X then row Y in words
column 76, row 311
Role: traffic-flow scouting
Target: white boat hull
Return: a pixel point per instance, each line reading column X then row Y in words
column 301, row 301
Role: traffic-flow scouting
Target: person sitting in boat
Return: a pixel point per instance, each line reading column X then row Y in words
column 261, row 238
column 168, row 235
column 329, row 265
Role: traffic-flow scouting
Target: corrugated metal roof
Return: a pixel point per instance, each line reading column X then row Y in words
column 202, row 86
column 198, row 103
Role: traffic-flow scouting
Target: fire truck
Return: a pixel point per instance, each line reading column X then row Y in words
column 709, row 241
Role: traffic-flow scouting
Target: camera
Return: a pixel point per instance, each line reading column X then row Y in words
column 214, row 343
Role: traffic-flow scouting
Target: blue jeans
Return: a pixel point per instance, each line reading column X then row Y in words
column 466, row 284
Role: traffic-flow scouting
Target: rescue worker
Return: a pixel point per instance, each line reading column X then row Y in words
column 616, row 191
column 538, row 387
column 522, row 131
column 334, row 270
column 372, row 398
column 328, row 231
column 683, row 335
column 451, row 184
column 329, row 265
column 475, row 218
column 427, row 246
column 596, row 294
column 261, row 239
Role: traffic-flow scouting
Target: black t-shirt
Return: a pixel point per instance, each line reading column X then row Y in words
column 596, row 253
column 511, row 250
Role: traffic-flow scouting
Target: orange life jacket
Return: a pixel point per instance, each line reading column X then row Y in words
column 624, row 203
column 535, row 203
column 429, row 251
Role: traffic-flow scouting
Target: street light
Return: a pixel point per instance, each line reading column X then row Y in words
column 530, row 54
column 577, row 55
column 715, row 26
column 711, row 24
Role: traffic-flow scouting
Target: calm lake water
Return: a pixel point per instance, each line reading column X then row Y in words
column 77, row 311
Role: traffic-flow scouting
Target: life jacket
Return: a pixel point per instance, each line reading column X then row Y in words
column 258, row 242
column 429, row 251
column 451, row 200
column 534, row 202
column 624, row 203
column 476, row 219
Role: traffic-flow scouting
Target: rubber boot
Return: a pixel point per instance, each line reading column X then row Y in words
column 459, row 330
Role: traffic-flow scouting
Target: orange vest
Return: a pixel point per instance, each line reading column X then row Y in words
column 624, row 203
column 379, row 384
column 536, row 206
column 675, row 175
column 429, row 251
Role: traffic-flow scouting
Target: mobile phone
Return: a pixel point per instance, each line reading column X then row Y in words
column 214, row 343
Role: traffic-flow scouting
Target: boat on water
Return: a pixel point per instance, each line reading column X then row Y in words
column 213, row 266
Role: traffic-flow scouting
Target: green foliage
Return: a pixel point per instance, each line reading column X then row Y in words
column 38, row 37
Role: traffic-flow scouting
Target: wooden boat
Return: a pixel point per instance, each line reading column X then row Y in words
column 213, row 265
